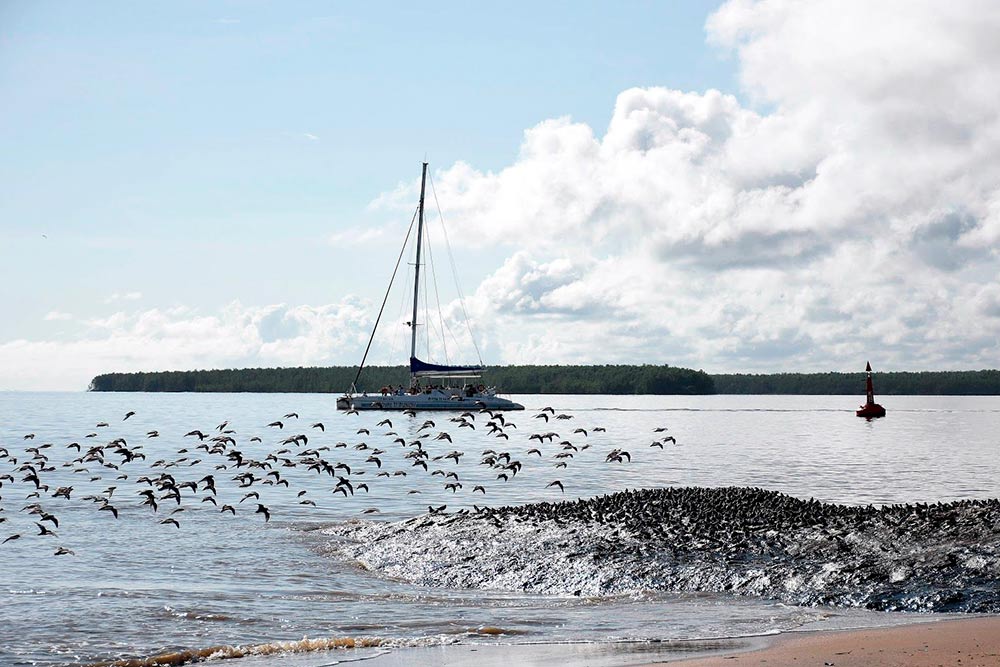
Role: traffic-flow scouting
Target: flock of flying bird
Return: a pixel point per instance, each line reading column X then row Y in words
column 213, row 471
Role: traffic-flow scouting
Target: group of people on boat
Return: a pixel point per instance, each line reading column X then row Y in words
column 416, row 388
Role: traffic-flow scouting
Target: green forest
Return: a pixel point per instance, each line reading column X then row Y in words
column 607, row 379
column 928, row 383
column 337, row 379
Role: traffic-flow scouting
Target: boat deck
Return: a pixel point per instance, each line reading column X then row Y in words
column 434, row 400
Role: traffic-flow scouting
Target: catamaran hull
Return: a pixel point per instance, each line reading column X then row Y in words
column 425, row 402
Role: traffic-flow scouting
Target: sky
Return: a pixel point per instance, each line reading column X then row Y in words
column 748, row 186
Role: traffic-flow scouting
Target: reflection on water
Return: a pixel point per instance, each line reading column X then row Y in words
column 135, row 586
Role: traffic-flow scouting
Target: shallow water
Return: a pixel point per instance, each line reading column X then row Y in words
column 136, row 587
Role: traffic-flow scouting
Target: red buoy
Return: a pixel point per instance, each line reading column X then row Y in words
column 870, row 409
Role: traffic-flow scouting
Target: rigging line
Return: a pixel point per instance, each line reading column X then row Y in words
column 399, row 318
column 354, row 384
column 454, row 273
column 427, row 313
column 437, row 295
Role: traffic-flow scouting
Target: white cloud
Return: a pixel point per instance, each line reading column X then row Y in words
column 310, row 136
column 56, row 316
column 357, row 236
column 123, row 296
column 857, row 216
column 852, row 212
column 180, row 338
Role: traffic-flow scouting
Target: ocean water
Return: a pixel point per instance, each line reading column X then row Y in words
column 135, row 586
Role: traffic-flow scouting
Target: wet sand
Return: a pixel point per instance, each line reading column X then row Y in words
column 972, row 642
column 962, row 643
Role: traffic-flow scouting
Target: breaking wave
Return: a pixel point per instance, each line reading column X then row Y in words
column 925, row 557
column 183, row 657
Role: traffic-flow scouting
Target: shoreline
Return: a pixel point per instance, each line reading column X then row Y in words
column 927, row 643
column 958, row 642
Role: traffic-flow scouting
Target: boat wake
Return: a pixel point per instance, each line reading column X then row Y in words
column 940, row 557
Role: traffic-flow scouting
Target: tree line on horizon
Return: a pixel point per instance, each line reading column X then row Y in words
column 895, row 383
column 599, row 379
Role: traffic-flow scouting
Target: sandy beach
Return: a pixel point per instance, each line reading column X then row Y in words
column 964, row 643
column 970, row 642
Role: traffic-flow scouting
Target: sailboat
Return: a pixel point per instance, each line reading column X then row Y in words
column 432, row 386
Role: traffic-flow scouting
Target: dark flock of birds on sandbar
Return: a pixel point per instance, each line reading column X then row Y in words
column 749, row 541
column 219, row 470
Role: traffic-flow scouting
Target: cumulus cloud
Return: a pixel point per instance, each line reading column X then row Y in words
column 181, row 338
column 848, row 209
column 56, row 316
column 852, row 211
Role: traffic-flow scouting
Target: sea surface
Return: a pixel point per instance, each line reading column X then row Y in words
column 135, row 586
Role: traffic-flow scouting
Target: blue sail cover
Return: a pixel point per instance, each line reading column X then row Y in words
column 417, row 366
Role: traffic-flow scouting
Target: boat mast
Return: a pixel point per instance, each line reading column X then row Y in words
column 416, row 271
